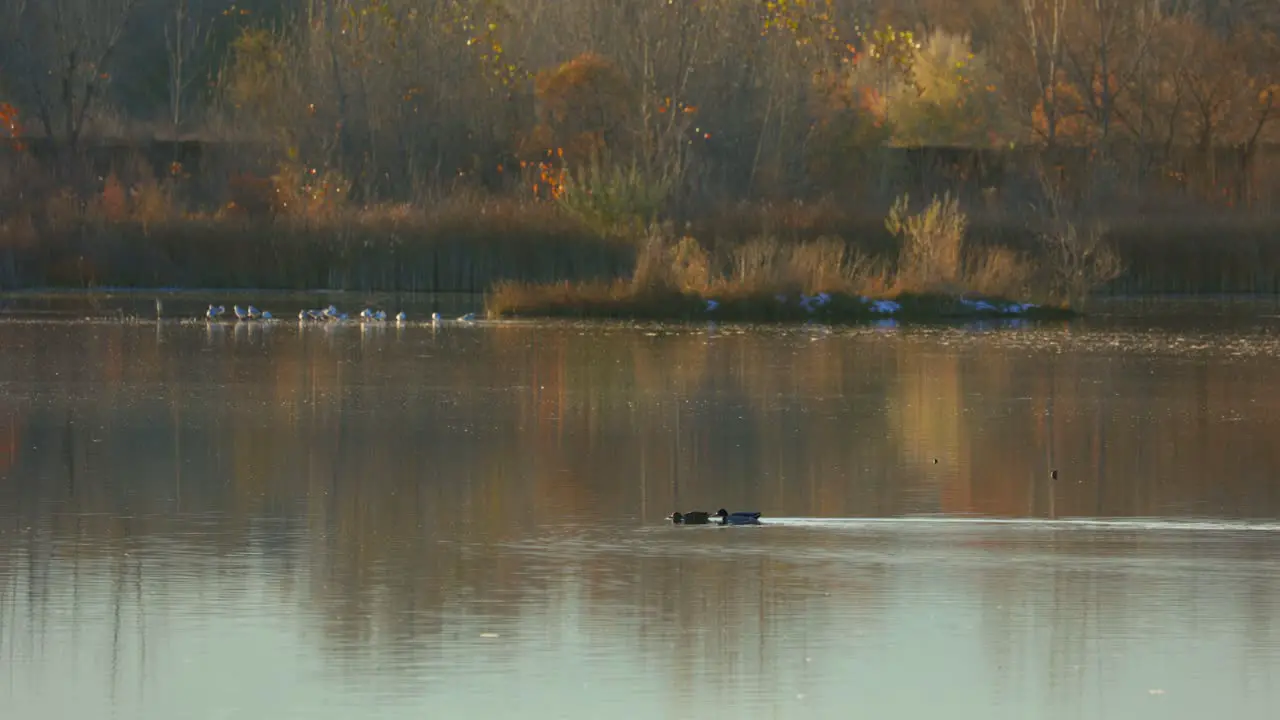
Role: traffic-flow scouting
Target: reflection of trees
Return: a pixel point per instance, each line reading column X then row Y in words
column 385, row 475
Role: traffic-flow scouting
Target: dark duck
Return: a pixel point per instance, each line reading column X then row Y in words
column 738, row 518
column 695, row 517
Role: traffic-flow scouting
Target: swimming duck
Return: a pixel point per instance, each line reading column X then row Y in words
column 696, row 517
column 738, row 518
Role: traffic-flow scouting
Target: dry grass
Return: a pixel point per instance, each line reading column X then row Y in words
column 764, row 279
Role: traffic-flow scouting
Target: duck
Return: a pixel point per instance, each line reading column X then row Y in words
column 240, row 313
column 213, row 312
column 401, row 317
column 254, row 313
column 695, row 517
column 738, row 518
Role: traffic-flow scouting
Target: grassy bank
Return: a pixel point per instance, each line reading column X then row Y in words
column 935, row 275
column 620, row 300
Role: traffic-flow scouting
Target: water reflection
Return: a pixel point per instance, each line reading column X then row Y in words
column 337, row 522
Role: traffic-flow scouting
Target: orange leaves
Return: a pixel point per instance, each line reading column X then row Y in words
column 10, row 125
column 1062, row 113
column 665, row 106
column 548, row 176
column 9, row 119
column 587, row 107
column 588, row 86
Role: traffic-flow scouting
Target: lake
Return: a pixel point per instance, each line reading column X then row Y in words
column 308, row 521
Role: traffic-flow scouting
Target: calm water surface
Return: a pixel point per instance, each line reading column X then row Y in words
column 285, row 522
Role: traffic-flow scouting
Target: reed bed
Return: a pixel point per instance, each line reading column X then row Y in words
column 471, row 244
column 451, row 247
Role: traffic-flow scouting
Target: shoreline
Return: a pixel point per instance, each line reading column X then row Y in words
column 559, row 302
column 186, row 307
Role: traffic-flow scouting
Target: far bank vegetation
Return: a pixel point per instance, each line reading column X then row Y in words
column 1032, row 148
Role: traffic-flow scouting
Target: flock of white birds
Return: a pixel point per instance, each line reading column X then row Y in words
column 329, row 314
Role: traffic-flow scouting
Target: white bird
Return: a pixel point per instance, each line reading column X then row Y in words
column 253, row 312
column 401, row 317
column 240, row 313
column 435, row 317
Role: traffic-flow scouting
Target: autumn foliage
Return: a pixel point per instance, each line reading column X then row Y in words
column 812, row 115
column 10, row 126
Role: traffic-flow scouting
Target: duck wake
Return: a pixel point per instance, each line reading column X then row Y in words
column 934, row 522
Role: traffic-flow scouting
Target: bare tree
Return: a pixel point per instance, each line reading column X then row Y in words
column 1042, row 40
column 63, row 50
column 1105, row 52
column 185, row 36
